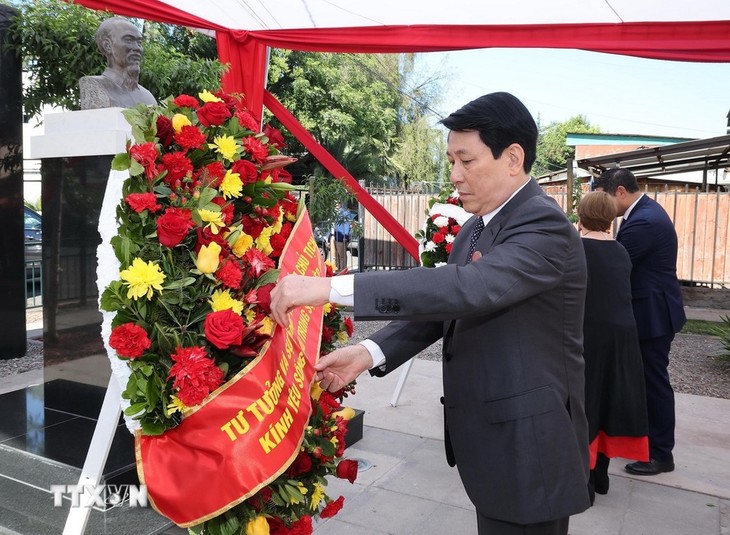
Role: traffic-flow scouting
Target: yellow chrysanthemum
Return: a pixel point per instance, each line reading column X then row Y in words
column 263, row 242
column 242, row 244
column 317, row 496
column 315, row 391
column 342, row 337
column 224, row 145
column 178, row 121
column 248, row 316
column 223, row 300
column 303, row 490
column 175, row 405
column 327, row 308
column 208, row 258
column 212, row 219
column 231, row 185
column 142, row 278
column 207, row 96
column 267, row 326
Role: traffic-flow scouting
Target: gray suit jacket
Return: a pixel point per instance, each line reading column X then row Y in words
column 512, row 360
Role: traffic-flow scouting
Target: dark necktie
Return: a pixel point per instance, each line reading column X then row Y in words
column 478, row 228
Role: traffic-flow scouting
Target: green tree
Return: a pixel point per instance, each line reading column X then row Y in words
column 552, row 151
column 57, row 42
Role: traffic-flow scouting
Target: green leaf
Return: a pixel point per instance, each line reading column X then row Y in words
column 180, row 283
column 121, row 161
column 135, row 409
column 135, row 168
column 269, row 277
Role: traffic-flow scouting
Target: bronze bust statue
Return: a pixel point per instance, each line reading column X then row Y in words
column 121, row 42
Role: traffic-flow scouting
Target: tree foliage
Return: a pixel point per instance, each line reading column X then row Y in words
column 552, row 151
column 56, row 40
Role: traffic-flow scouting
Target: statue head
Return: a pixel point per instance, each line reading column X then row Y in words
column 121, row 42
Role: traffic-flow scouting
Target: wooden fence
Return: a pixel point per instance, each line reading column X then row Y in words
column 702, row 220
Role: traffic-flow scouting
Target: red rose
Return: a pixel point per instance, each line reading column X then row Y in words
column 195, row 375
column 276, row 138
column 255, row 148
column 165, row 132
column 173, row 226
column 252, row 226
column 185, row 101
column 145, row 154
column 438, row 237
column 190, row 137
column 281, row 175
column 332, row 508
column 230, row 274
column 224, row 329
column 139, row 202
column 301, row 465
column 347, row 469
column 247, row 170
column 213, row 113
column 129, row 340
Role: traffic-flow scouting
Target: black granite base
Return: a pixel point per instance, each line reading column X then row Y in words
column 45, row 432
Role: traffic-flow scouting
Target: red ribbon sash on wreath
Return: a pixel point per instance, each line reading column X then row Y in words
column 248, row 431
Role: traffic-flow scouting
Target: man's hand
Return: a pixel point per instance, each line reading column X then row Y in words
column 339, row 368
column 298, row 290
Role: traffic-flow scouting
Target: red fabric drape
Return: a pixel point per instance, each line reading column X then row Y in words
column 333, row 166
column 247, row 73
column 687, row 41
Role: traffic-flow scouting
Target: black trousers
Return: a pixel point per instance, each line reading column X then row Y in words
column 659, row 396
column 490, row 526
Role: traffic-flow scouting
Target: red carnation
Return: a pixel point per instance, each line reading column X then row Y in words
column 212, row 174
column 226, row 209
column 263, row 297
column 190, row 137
column 332, row 508
column 213, row 113
column 349, row 325
column 455, row 229
column 247, row 170
column 145, row 154
column 177, row 165
column 173, row 226
column 276, row 138
column 438, row 237
column 347, row 469
column 252, row 226
column 230, row 274
column 328, row 403
column 139, row 202
column 129, row 340
column 327, row 334
column 247, row 120
column 258, row 262
column 185, row 101
column 303, row 526
column 165, row 132
column 255, row 148
column 224, row 328
column 195, row 375
column 448, row 247
column 278, row 241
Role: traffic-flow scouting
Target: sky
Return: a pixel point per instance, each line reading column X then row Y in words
column 619, row 94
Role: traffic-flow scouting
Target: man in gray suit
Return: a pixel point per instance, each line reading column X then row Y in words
column 510, row 312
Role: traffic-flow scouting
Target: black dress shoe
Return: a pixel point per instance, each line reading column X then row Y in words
column 652, row 468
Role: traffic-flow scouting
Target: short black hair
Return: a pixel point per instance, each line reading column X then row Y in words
column 611, row 179
column 501, row 119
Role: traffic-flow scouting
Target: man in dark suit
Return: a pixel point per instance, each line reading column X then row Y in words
column 648, row 235
column 509, row 307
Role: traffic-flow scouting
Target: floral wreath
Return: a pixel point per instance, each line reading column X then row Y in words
column 205, row 215
column 444, row 218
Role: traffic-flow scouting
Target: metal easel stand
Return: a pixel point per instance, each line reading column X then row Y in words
column 401, row 382
column 101, row 443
